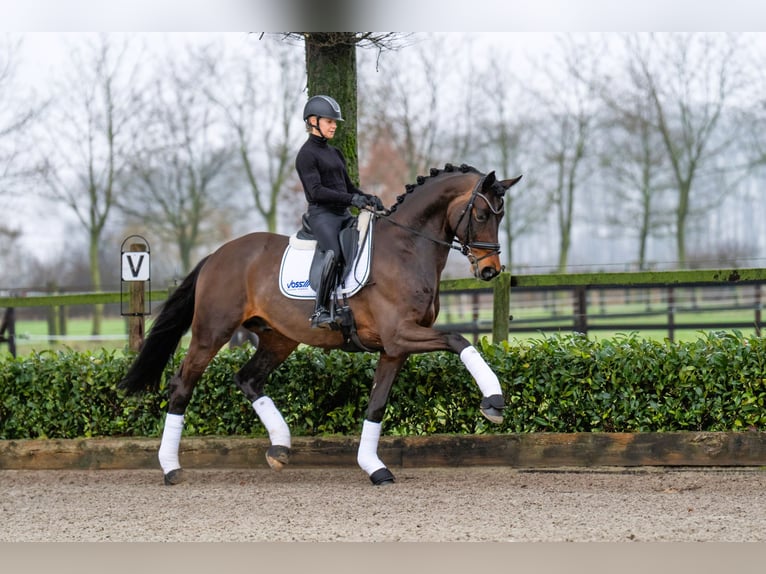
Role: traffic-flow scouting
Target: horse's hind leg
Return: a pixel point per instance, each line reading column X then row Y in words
column 273, row 349
column 180, row 390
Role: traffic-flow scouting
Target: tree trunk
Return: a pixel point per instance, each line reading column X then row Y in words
column 331, row 70
column 682, row 211
column 95, row 279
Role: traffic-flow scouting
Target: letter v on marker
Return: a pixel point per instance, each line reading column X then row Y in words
column 135, row 270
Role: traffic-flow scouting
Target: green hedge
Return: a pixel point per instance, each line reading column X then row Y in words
column 554, row 384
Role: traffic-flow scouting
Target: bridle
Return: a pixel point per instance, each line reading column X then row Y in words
column 465, row 246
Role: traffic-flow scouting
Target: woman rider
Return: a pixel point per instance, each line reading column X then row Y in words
column 329, row 192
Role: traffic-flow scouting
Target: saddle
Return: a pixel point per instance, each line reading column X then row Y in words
column 301, row 268
column 301, row 262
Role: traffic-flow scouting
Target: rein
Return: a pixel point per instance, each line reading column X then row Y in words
column 457, row 244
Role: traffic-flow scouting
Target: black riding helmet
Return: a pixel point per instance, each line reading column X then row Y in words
column 323, row 107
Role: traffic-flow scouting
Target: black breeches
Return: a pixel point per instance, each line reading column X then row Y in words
column 326, row 225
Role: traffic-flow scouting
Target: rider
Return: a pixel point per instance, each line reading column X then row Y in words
column 329, row 192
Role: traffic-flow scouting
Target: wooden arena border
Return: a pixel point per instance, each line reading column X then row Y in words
column 534, row 450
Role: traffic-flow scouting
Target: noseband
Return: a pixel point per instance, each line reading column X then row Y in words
column 465, row 246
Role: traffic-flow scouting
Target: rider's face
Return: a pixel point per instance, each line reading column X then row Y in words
column 327, row 127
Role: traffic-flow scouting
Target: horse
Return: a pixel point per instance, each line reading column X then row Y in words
column 457, row 207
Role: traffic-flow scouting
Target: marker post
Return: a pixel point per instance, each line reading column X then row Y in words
column 136, row 272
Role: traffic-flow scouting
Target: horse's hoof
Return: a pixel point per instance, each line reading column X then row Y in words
column 382, row 476
column 493, row 415
column 175, row 477
column 278, row 456
column 492, row 408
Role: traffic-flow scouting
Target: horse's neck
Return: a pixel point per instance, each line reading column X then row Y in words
column 426, row 210
column 421, row 227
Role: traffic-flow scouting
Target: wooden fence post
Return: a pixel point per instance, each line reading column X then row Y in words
column 671, row 313
column 63, row 319
column 501, row 307
column 581, row 310
column 9, row 324
column 53, row 315
column 136, row 308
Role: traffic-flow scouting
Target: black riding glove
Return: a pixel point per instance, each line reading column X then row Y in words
column 374, row 202
column 359, row 201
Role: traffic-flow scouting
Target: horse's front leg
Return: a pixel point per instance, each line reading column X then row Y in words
column 419, row 339
column 367, row 455
column 492, row 402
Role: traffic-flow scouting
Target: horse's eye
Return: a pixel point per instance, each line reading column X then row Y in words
column 481, row 216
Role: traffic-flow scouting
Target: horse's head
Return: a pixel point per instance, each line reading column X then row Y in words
column 478, row 224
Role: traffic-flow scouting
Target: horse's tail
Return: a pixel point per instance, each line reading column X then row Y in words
column 174, row 320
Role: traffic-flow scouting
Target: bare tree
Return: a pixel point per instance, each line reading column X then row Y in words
column 18, row 111
column 421, row 112
column 260, row 94
column 634, row 167
column 751, row 126
column 504, row 145
column 689, row 79
column 565, row 124
column 632, row 160
column 177, row 186
column 88, row 136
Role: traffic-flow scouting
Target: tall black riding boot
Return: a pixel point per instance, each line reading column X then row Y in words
column 323, row 316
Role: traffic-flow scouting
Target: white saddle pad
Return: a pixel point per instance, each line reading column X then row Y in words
column 296, row 264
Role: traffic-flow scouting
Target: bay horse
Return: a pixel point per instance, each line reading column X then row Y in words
column 457, row 207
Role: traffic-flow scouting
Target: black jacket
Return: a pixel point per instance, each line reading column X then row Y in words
column 322, row 171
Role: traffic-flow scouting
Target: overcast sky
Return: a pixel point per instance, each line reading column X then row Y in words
column 43, row 50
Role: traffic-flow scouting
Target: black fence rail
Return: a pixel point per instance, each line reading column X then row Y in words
column 670, row 301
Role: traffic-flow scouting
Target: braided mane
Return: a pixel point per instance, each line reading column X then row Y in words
column 435, row 172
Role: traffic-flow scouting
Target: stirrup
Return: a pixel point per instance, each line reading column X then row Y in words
column 322, row 319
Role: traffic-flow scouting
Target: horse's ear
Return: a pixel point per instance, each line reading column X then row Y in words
column 489, row 180
column 508, row 183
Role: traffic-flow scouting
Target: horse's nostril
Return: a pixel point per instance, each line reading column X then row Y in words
column 488, row 273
